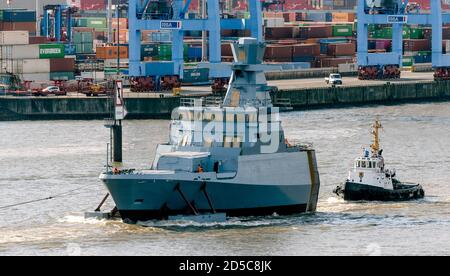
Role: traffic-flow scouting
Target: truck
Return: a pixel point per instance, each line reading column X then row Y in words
column 334, row 79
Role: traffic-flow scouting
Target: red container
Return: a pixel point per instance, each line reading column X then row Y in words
column 306, row 50
column 445, row 33
column 123, row 23
column 383, row 44
column 226, row 50
column 315, row 32
column 279, row 53
column 37, row 40
column 93, row 5
column 18, row 26
column 277, row 33
column 290, row 17
column 415, row 45
column 333, row 62
column 341, row 49
column 62, row 65
column 110, row 52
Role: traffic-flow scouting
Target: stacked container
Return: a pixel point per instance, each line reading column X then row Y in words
column 18, row 20
column 33, row 62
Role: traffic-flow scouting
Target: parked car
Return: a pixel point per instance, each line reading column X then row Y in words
column 51, row 90
column 334, row 79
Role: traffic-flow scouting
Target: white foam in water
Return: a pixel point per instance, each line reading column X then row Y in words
column 79, row 218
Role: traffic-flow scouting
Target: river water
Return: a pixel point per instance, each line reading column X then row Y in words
column 64, row 158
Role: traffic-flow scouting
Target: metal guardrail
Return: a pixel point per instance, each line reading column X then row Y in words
column 207, row 101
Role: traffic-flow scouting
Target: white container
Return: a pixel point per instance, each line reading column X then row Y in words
column 11, row 66
column 20, row 51
column 274, row 22
column 348, row 68
column 38, row 77
column 14, row 38
column 113, row 63
column 98, row 75
column 31, row 66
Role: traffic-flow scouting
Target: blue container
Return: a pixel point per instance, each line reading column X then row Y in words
column 372, row 44
column 329, row 17
column 69, row 49
column 19, row 16
column 194, row 53
column 303, row 59
column 162, row 68
column 296, row 65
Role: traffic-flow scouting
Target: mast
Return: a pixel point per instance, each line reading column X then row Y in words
column 376, row 134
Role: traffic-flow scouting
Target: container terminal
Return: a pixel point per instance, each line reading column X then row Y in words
column 61, row 60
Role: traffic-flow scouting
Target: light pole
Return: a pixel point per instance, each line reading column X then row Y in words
column 38, row 26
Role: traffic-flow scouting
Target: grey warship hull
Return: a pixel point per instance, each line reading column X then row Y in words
column 143, row 196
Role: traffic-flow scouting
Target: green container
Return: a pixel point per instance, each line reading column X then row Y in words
column 82, row 37
column 165, row 52
column 195, row 75
column 92, row 22
column 62, row 76
column 342, row 30
column 424, row 53
column 149, row 50
column 408, row 61
column 51, row 51
column 416, row 33
column 84, row 48
column 1, row 15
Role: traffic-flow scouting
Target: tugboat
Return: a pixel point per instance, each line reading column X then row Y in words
column 243, row 166
column 369, row 180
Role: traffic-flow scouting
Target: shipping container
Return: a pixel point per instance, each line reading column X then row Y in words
column 277, row 33
column 149, row 50
column 36, row 77
column 408, row 61
column 14, row 38
column 20, row 52
column 51, row 51
column 99, row 22
column 18, row 26
column 342, row 30
column 343, row 17
column 111, row 52
column 195, row 75
column 417, row 45
column 278, row 53
column 316, row 32
column 122, row 24
column 306, row 50
column 62, row 76
column 36, row 66
column 37, row 40
column 341, row 49
column 62, row 65
column 18, row 16
column 121, row 36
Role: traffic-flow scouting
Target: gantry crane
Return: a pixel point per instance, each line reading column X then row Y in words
column 398, row 13
column 171, row 16
column 54, row 18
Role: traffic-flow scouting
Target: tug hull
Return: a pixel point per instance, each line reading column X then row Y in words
column 358, row 192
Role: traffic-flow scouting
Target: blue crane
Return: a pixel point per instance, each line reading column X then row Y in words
column 62, row 15
column 398, row 13
column 171, row 16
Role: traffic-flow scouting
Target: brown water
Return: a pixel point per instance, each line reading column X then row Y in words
column 40, row 159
